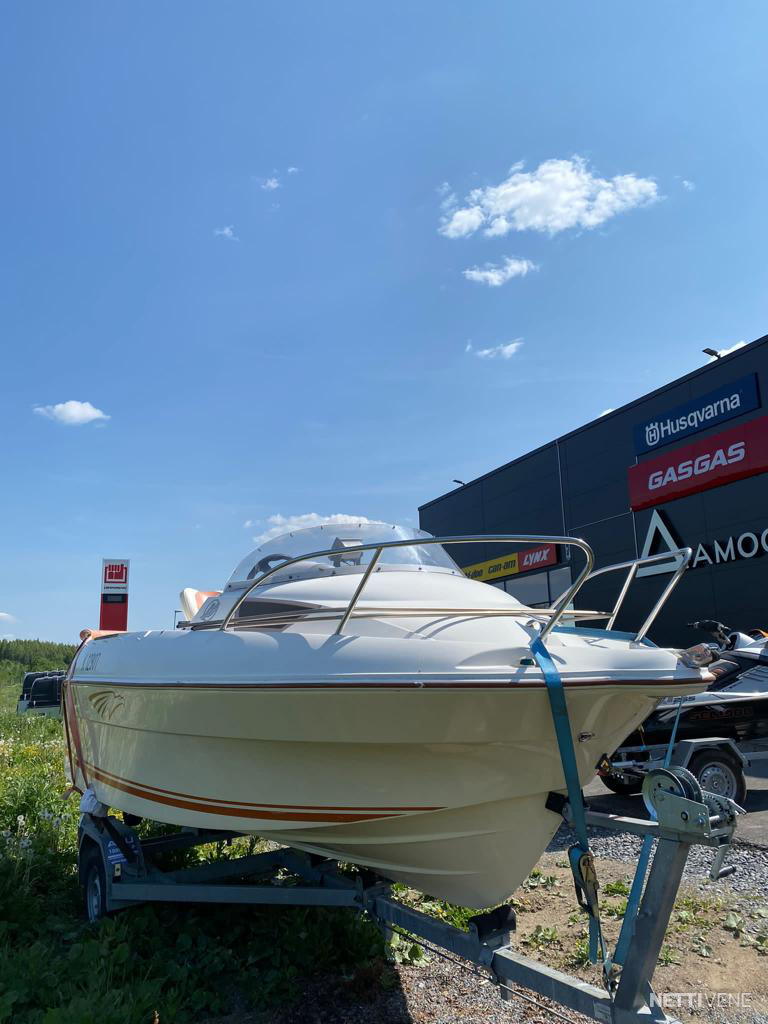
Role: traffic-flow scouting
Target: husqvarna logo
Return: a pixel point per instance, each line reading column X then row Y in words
column 707, row 411
column 652, row 434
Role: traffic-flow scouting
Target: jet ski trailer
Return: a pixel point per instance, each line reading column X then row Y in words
column 118, row 869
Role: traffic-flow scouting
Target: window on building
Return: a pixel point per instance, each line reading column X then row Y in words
column 559, row 581
column 532, row 590
column 538, row 589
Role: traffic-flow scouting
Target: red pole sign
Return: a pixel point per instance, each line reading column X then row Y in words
column 114, row 594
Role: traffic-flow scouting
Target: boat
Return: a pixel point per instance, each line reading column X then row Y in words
column 351, row 693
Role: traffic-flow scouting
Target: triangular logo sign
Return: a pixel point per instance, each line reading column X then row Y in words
column 657, row 540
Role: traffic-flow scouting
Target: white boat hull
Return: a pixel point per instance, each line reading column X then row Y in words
column 441, row 786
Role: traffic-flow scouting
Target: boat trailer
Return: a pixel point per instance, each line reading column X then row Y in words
column 117, row 869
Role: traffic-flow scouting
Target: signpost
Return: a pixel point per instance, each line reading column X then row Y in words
column 114, row 594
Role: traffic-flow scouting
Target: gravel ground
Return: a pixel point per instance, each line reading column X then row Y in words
column 438, row 991
column 751, row 862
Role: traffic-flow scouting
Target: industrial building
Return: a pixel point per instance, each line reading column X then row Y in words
column 684, row 466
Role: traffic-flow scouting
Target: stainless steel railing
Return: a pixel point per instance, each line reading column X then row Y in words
column 555, row 613
column 682, row 556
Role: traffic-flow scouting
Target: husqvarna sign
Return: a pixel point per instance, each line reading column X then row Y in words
column 707, row 411
column 733, row 454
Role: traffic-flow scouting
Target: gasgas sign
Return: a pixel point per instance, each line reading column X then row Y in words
column 731, row 455
column 512, row 564
column 715, row 407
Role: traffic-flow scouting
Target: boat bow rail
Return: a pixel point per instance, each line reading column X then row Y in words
column 549, row 617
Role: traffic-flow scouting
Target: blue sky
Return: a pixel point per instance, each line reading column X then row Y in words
column 240, row 232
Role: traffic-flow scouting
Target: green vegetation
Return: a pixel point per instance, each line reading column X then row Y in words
column 579, row 956
column 538, row 880
column 618, row 888
column 668, row 957
column 615, row 910
column 152, row 964
column 541, row 937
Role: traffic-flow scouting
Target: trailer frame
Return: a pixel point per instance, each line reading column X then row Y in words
column 118, row 869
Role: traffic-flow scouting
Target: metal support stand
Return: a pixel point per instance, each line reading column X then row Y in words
column 651, row 925
column 289, row 877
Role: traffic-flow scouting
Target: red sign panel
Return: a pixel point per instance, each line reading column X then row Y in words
column 732, row 455
column 114, row 594
column 536, row 558
column 116, row 572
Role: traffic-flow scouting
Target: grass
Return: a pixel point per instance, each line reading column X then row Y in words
column 157, row 964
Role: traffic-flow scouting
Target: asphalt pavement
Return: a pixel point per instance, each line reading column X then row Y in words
column 752, row 827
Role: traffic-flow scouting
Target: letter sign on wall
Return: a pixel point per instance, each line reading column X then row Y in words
column 732, row 455
column 510, row 565
column 715, row 407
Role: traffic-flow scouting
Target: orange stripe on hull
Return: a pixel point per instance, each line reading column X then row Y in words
column 236, row 804
column 196, row 804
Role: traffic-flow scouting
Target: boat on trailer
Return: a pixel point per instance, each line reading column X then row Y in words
column 352, row 694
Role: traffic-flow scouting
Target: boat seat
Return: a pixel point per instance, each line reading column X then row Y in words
column 193, row 600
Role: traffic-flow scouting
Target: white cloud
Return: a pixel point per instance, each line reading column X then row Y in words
column 558, row 195
column 727, row 351
column 462, row 222
column 279, row 524
column 72, row 413
column 689, row 186
column 7, row 617
column 497, row 352
column 292, row 170
column 495, row 275
column 270, row 184
column 228, row 231
column 448, row 200
column 247, row 524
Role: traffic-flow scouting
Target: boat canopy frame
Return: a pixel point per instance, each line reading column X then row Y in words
column 555, row 613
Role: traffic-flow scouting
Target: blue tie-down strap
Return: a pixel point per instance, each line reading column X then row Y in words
column 579, row 856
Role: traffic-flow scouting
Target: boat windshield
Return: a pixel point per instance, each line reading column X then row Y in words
column 339, row 538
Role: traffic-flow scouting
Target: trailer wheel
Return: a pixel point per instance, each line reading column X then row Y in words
column 620, row 787
column 94, row 884
column 718, row 773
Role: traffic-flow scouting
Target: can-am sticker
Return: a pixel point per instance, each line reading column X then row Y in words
column 659, row 538
column 731, row 455
column 715, row 407
column 513, row 563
